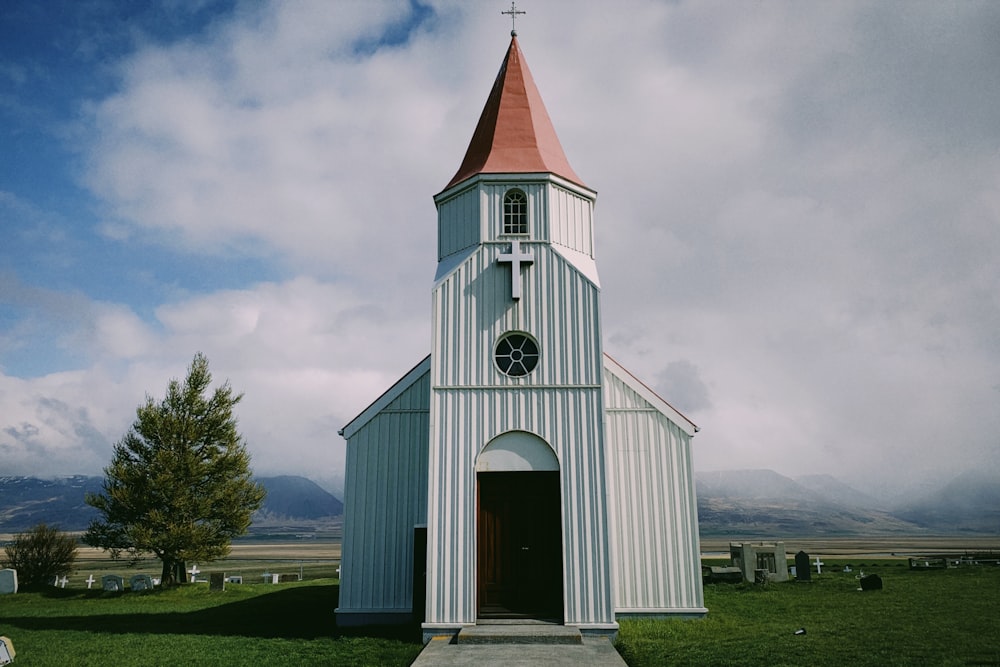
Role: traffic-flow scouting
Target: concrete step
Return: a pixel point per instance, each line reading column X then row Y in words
column 520, row 633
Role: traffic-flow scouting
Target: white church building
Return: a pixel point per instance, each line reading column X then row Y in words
column 518, row 471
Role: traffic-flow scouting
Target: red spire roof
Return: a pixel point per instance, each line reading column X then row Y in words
column 514, row 134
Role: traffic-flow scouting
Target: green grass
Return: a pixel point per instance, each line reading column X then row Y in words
column 251, row 624
column 945, row 617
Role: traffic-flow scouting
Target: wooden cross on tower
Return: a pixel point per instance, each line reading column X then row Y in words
column 515, row 258
column 513, row 13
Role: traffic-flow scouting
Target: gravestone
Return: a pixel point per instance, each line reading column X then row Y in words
column 714, row 573
column 284, row 578
column 234, row 579
column 802, row 570
column 141, row 582
column 6, row 651
column 90, row 581
column 8, row 581
column 217, row 581
column 112, row 582
column 871, row 582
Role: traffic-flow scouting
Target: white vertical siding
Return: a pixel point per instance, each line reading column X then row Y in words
column 572, row 219
column 653, row 507
column 558, row 307
column 555, row 215
column 467, row 419
column 492, row 201
column 458, row 223
column 560, row 401
column 385, row 496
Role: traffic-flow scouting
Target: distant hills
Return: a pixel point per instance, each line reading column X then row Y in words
column 968, row 503
column 763, row 502
column 27, row 501
column 737, row 502
column 291, row 499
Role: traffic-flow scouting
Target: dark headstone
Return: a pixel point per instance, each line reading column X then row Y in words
column 802, row 571
column 871, row 582
column 217, row 581
column 113, row 582
column 715, row 574
column 141, row 582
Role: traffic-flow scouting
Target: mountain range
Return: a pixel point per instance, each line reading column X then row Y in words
column 736, row 502
column 763, row 502
column 27, row 501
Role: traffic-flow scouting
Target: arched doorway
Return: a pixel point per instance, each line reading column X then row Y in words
column 519, row 529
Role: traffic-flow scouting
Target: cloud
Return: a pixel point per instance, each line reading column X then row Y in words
column 796, row 227
column 304, row 370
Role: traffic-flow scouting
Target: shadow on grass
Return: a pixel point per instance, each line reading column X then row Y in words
column 301, row 612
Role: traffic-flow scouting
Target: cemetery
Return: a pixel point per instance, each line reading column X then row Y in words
column 917, row 617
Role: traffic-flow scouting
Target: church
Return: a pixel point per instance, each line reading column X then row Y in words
column 518, row 471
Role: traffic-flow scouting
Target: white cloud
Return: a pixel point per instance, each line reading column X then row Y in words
column 797, row 218
column 307, row 356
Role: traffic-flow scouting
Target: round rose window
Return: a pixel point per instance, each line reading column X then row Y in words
column 516, row 354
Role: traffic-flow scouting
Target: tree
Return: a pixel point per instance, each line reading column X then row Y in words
column 40, row 555
column 179, row 485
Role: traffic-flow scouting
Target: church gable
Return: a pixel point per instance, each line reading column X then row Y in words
column 624, row 391
column 409, row 393
column 385, row 500
column 651, row 500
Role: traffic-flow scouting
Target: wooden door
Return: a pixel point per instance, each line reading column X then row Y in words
column 520, row 545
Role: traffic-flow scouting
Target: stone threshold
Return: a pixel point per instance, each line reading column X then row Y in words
column 518, row 631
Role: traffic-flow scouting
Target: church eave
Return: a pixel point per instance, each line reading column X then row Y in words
column 649, row 395
column 387, row 397
column 514, row 178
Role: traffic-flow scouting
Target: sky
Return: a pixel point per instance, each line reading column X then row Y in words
column 797, row 218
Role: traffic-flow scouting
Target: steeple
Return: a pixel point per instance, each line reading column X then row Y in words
column 514, row 134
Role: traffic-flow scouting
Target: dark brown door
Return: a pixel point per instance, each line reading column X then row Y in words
column 520, row 545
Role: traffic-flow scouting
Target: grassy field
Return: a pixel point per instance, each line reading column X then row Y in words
column 944, row 617
column 251, row 624
column 941, row 617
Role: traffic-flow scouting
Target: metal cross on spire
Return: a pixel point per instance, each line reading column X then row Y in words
column 513, row 13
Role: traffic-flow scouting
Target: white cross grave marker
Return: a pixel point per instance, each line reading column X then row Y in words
column 90, row 581
column 194, row 572
column 819, row 565
column 63, row 581
column 515, row 258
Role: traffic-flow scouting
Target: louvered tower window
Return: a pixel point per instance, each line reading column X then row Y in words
column 515, row 212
